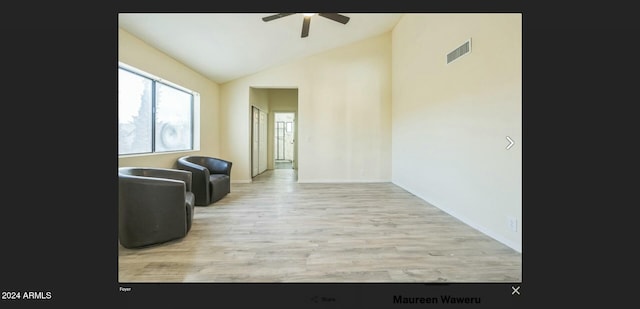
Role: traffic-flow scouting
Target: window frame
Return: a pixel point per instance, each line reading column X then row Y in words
column 195, row 112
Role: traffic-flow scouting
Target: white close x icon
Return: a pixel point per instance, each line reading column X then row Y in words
column 516, row 290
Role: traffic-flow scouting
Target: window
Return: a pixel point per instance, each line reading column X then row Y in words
column 154, row 115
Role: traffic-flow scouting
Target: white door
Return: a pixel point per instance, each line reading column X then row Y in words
column 262, row 143
column 255, row 138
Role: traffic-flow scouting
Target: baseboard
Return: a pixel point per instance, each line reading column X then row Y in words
column 467, row 221
column 343, row 181
column 484, row 230
column 241, row 181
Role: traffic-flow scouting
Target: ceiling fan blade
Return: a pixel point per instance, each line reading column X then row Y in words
column 336, row 17
column 276, row 16
column 305, row 26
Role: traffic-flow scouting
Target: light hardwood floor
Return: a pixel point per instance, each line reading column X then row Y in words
column 278, row 230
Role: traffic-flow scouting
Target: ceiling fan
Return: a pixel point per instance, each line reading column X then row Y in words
column 307, row 19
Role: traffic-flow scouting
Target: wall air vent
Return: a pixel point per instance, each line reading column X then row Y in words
column 464, row 49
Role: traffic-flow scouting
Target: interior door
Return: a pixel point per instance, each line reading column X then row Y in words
column 262, row 143
column 255, row 141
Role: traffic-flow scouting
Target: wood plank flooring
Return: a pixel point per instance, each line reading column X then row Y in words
column 278, row 230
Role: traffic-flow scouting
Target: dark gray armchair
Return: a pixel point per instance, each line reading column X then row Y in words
column 155, row 205
column 211, row 177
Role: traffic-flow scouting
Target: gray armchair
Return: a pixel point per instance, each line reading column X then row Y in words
column 211, row 177
column 155, row 205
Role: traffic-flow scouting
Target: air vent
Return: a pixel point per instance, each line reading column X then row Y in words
column 464, row 49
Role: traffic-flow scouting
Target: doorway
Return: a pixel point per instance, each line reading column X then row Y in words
column 284, row 141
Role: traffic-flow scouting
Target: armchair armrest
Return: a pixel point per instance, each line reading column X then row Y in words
column 199, row 173
column 171, row 174
column 199, row 177
column 219, row 166
column 148, row 186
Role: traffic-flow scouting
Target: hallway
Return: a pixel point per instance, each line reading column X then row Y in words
column 283, row 164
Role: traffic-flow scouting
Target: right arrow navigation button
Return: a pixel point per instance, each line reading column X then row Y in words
column 511, row 142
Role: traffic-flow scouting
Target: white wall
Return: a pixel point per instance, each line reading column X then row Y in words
column 344, row 119
column 450, row 122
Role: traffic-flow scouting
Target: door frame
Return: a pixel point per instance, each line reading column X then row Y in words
column 273, row 122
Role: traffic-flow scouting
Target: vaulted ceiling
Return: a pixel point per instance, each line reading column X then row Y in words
column 226, row 46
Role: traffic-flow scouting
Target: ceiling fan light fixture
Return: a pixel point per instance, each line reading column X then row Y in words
column 309, row 14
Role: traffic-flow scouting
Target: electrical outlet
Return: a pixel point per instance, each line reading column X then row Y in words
column 513, row 224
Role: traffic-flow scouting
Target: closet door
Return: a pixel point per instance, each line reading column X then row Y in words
column 255, row 139
column 262, row 142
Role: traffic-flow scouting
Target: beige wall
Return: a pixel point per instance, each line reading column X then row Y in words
column 137, row 53
column 450, row 122
column 344, row 113
column 259, row 98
